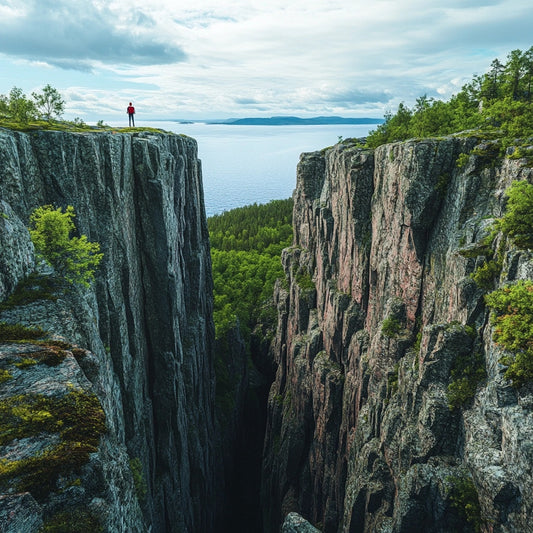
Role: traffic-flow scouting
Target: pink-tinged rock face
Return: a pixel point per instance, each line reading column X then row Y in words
column 360, row 434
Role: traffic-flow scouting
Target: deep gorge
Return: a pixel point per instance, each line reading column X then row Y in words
column 376, row 311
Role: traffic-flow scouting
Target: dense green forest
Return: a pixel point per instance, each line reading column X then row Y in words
column 498, row 102
column 246, row 246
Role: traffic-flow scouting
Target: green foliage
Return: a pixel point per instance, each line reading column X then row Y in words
column 16, row 106
column 246, row 244
column 487, row 273
column 304, row 280
column 393, row 380
column 265, row 228
column 138, row 478
column 32, row 288
column 512, row 317
column 498, row 101
column 49, row 102
column 74, row 258
column 73, row 520
column 462, row 160
column 77, row 417
column 5, row 375
column 18, row 332
column 517, row 222
column 468, row 370
column 391, row 327
column 464, row 498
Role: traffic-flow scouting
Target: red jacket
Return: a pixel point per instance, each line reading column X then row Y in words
column 131, row 110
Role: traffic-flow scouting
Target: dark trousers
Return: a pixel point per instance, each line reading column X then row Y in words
column 132, row 119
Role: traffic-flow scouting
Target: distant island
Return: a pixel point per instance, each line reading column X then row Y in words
column 296, row 121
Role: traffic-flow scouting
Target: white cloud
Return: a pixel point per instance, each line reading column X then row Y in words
column 220, row 58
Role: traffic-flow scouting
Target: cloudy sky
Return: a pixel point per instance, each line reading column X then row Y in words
column 242, row 58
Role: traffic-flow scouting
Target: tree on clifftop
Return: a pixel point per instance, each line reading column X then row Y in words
column 49, row 102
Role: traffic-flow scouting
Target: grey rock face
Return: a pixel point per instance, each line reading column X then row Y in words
column 20, row 513
column 294, row 523
column 147, row 320
column 360, row 436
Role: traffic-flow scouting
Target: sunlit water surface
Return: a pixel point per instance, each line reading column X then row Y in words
column 246, row 164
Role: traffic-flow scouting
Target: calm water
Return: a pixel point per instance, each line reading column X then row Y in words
column 246, row 164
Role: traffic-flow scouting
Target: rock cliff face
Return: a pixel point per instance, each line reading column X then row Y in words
column 147, row 319
column 378, row 310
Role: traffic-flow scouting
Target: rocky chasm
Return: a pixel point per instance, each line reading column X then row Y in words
column 376, row 309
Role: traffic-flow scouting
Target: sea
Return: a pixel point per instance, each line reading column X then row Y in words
column 242, row 165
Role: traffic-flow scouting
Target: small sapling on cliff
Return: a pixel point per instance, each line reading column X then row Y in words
column 73, row 258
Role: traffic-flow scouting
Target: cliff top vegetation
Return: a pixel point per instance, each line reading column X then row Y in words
column 43, row 111
column 497, row 104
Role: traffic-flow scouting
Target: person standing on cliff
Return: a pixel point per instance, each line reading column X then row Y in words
column 131, row 113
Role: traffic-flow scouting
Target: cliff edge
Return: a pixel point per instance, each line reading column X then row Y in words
column 145, row 323
column 376, row 319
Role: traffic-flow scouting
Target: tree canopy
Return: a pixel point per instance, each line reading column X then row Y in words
column 246, row 245
column 498, row 101
column 18, row 107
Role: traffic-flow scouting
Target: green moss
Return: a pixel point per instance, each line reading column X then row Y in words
column 77, row 417
column 303, row 278
column 26, row 362
column 18, row 332
column 73, row 520
column 33, row 288
column 5, row 375
column 442, row 184
column 138, row 478
column 392, row 380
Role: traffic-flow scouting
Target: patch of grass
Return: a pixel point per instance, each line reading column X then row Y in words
column 26, row 362
column 73, row 520
column 18, row 332
column 77, row 417
column 5, row 375
column 33, row 288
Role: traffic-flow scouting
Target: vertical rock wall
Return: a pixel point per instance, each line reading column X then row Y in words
column 360, row 437
column 149, row 320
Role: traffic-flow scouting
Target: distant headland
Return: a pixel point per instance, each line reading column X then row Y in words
column 296, row 121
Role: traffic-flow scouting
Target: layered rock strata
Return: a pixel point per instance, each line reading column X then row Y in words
column 378, row 308
column 147, row 318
